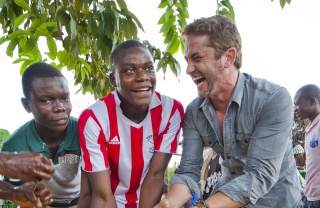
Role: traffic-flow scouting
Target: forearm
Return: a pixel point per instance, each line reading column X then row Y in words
column 84, row 201
column 98, row 202
column 98, row 189
column 6, row 190
column 178, row 195
column 220, row 200
column 151, row 191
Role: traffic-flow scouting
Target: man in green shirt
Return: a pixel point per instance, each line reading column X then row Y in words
column 52, row 132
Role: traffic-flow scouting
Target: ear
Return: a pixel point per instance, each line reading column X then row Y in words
column 231, row 55
column 112, row 80
column 25, row 104
column 313, row 101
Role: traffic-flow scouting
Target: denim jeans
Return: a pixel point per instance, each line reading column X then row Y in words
column 311, row 204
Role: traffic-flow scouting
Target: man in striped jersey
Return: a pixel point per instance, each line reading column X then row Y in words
column 127, row 137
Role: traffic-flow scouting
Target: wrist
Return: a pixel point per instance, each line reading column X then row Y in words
column 14, row 192
column 201, row 204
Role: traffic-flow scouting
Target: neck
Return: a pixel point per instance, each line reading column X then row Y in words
column 135, row 114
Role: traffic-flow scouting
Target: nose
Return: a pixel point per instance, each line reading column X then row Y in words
column 190, row 68
column 142, row 75
column 58, row 106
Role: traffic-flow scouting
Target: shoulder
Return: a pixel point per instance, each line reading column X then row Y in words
column 169, row 101
column 263, row 85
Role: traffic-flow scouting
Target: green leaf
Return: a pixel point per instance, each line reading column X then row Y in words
column 4, row 134
column 60, row 11
column 169, row 13
column 11, row 46
column 23, row 4
column 3, row 39
column 52, row 46
column 51, row 28
column 78, row 5
column 63, row 56
column 20, row 20
column 72, row 64
column 184, row 3
column 73, row 27
column 166, row 27
column 19, row 60
column 130, row 14
column 29, row 45
column 42, row 30
column 25, row 64
column 169, row 36
column 35, row 24
column 162, row 19
column 122, row 4
column 283, row 3
column 173, row 46
column 18, row 34
column 163, row 4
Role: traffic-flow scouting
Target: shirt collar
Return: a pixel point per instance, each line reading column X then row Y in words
column 238, row 91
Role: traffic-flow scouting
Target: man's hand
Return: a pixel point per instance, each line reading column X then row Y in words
column 27, row 166
column 31, row 195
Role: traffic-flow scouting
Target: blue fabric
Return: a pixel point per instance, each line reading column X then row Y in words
column 194, row 198
column 311, row 204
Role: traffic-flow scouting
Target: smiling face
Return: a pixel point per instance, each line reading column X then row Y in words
column 203, row 66
column 49, row 102
column 134, row 77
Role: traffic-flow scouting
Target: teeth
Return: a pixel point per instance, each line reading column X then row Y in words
column 196, row 78
column 142, row 89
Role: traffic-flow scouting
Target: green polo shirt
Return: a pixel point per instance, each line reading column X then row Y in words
column 65, row 182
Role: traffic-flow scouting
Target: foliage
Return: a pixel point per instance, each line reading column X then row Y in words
column 170, row 172
column 87, row 31
column 4, row 134
column 80, row 35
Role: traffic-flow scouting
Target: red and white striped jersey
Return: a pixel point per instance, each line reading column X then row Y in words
column 110, row 140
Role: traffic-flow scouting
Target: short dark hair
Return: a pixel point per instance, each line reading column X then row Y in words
column 309, row 91
column 37, row 70
column 124, row 45
column 222, row 33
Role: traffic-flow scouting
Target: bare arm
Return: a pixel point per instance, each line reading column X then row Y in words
column 177, row 196
column 97, row 187
column 152, row 186
column 85, row 192
column 220, row 200
column 26, row 166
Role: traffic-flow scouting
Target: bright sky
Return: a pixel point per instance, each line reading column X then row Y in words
column 281, row 45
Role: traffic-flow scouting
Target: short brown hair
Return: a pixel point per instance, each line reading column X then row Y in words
column 222, row 33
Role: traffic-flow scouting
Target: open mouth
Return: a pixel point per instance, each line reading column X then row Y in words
column 141, row 90
column 198, row 80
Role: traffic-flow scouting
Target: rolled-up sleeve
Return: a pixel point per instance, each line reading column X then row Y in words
column 188, row 172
